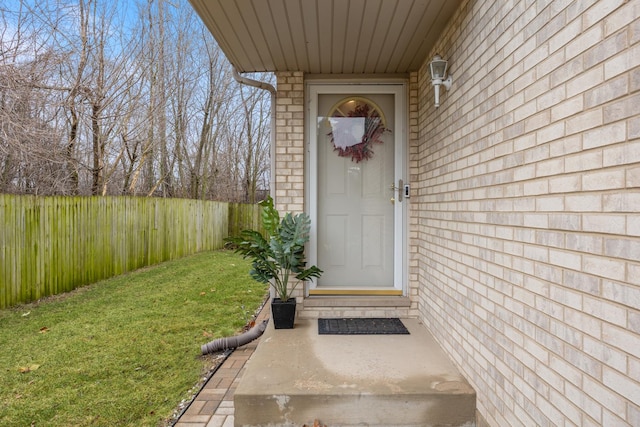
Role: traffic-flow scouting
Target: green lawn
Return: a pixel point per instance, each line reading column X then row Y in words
column 125, row 351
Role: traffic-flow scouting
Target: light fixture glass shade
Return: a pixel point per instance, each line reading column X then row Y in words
column 438, row 67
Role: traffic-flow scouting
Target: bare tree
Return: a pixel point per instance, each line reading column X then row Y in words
column 98, row 99
column 30, row 149
column 217, row 108
column 256, row 139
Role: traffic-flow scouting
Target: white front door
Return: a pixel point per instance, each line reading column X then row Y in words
column 356, row 175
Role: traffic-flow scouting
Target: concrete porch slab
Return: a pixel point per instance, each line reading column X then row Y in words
column 296, row 376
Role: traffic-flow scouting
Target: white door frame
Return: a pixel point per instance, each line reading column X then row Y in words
column 400, row 140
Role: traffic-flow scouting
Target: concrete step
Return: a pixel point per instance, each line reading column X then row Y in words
column 296, row 376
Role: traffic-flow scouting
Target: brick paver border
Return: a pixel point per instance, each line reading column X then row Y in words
column 213, row 406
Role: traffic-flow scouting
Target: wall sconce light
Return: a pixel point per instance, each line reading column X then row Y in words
column 438, row 68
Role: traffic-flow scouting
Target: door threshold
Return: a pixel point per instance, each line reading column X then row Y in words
column 355, row 292
column 330, row 302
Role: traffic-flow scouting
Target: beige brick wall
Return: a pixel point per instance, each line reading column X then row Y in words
column 289, row 152
column 526, row 214
column 289, row 179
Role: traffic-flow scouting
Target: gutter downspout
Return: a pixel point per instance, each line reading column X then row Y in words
column 272, row 150
column 235, row 342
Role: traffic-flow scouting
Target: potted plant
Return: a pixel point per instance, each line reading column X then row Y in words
column 278, row 257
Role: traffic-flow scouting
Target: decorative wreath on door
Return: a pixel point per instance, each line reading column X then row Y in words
column 357, row 124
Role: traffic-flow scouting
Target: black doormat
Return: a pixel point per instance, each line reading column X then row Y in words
column 361, row 326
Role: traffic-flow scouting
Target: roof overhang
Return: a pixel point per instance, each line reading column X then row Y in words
column 326, row 36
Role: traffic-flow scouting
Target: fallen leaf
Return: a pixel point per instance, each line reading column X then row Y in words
column 207, row 334
column 44, row 330
column 202, row 294
column 25, row 369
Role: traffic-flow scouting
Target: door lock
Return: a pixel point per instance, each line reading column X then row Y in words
column 403, row 191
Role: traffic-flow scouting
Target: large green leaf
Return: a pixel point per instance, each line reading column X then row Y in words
column 295, row 229
column 270, row 217
column 252, row 244
column 310, row 272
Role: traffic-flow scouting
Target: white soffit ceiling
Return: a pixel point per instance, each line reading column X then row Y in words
column 326, row 36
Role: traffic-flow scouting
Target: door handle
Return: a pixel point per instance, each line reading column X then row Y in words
column 400, row 189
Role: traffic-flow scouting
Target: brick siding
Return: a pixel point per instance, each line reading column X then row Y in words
column 289, row 180
column 525, row 219
column 289, row 152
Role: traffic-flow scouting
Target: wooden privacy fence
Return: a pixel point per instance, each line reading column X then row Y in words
column 243, row 216
column 50, row 245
